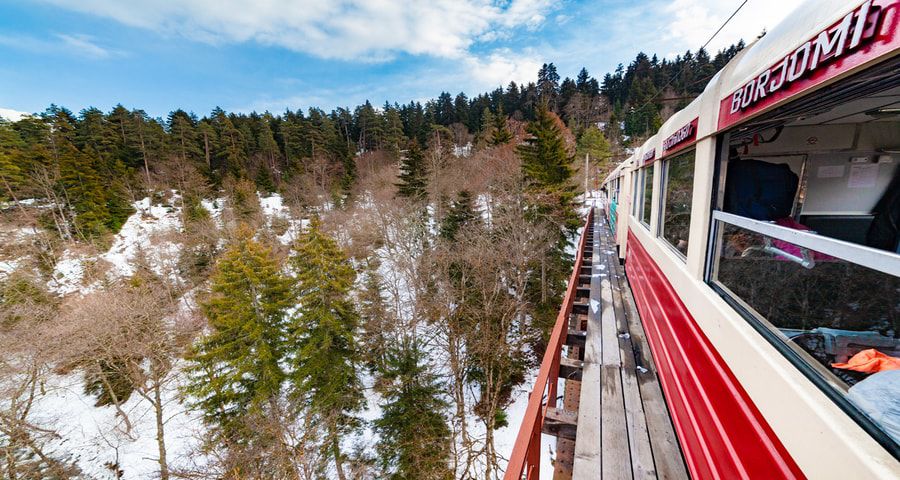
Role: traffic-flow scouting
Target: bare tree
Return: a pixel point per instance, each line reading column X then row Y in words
column 478, row 301
column 127, row 339
column 25, row 309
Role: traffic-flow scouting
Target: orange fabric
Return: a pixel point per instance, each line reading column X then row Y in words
column 870, row 361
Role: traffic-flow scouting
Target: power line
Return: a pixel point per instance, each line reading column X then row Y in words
column 672, row 79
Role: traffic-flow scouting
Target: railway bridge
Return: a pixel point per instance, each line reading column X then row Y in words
column 610, row 420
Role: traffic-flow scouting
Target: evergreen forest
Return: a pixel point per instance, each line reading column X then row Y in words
column 361, row 293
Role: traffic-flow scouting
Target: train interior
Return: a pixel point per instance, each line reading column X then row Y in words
column 829, row 165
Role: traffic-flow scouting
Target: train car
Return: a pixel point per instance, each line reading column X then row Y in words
column 612, row 188
column 759, row 229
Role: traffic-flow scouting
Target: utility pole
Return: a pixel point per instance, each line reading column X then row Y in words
column 587, row 175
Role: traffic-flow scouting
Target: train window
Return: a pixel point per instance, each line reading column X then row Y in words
column 637, row 185
column 806, row 240
column 839, row 317
column 646, row 195
column 678, row 189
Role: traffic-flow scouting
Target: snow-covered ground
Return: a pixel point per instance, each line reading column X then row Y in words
column 94, row 436
column 141, row 235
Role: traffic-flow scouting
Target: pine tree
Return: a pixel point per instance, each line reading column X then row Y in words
column 593, row 143
column 393, row 130
column 376, row 317
column 229, row 152
column 549, row 193
column 462, row 212
column 486, row 128
column 243, row 200
column 184, row 137
column 414, row 440
column 546, row 165
column 236, row 369
column 323, row 376
column 11, row 174
column 413, row 174
column 500, row 134
column 84, row 190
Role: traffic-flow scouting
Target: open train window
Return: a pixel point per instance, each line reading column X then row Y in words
column 677, row 191
column 805, row 240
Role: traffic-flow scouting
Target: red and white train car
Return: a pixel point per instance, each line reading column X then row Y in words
column 759, row 229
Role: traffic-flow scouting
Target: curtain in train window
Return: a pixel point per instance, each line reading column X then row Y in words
column 679, row 189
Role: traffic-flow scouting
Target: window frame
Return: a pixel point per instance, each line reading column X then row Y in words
column 872, row 258
column 649, row 168
column 663, row 192
column 637, row 186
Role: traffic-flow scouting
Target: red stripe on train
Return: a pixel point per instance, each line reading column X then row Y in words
column 721, row 432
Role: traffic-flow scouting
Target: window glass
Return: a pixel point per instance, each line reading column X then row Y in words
column 839, row 316
column 647, row 194
column 677, row 207
column 636, row 186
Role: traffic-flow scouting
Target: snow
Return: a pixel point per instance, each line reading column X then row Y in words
column 505, row 438
column 462, row 150
column 140, row 235
column 215, row 208
column 67, row 274
column 273, row 206
column 15, row 234
column 13, row 115
column 95, row 436
column 7, row 267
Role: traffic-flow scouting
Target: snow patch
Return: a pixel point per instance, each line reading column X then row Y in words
column 273, row 206
column 7, row 267
column 13, row 115
column 94, row 436
column 138, row 236
column 67, row 274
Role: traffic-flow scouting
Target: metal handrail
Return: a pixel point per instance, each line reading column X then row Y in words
column 526, row 454
column 880, row 260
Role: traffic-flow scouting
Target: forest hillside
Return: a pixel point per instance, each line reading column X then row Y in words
column 355, row 294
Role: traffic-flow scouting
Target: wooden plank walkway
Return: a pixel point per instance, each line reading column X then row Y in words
column 624, row 430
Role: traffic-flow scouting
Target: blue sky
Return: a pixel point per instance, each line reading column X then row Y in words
column 275, row 54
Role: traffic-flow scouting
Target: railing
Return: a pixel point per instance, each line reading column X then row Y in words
column 526, row 454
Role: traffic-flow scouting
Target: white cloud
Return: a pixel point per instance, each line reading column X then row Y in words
column 12, row 115
column 502, row 66
column 71, row 44
column 84, row 45
column 692, row 22
column 347, row 29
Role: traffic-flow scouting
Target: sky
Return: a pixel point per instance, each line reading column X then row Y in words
column 246, row 55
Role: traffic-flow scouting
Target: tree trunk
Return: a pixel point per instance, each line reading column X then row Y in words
column 144, row 154
column 338, row 462
column 544, row 279
column 117, row 405
column 19, row 205
column 206, row 149
column 160, row 431
column 11, row 463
